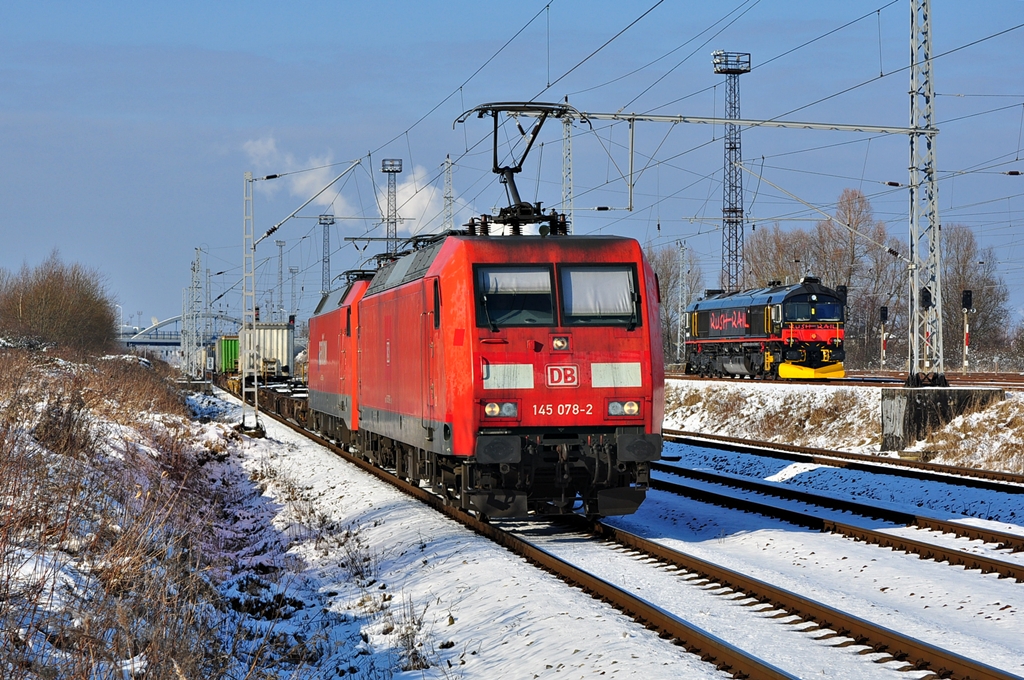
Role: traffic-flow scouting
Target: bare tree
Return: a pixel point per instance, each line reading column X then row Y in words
column 965, row 267
column 771, row 254
column 680, row 281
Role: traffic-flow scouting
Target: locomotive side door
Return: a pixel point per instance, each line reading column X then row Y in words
column 430, row 346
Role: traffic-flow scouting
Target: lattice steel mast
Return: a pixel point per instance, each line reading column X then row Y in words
column 280, row 282
column 391, row 167
column 326, row 221
column 567, row 190
column 732, row 64
column 247, row 336
column 192, row 300
column 449, row 196
column 925, row 230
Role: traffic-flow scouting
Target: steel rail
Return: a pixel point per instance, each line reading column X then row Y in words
column 709, row 648
column 1002, row 539
column 987, row 565
column 990, row 480
column 920, row 654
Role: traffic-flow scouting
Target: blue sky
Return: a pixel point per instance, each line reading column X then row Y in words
column 125, row 128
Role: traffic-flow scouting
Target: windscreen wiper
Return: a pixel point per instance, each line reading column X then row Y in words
column 487, row 313
column 632, row 316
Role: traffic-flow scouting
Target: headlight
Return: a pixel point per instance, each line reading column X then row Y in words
column 560, row 343
column 623, row 408
column 508, row 409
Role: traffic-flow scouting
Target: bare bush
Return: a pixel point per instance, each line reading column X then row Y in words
column 58, row 303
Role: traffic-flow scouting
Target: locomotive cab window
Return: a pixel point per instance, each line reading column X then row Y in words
column 514, row 296
column 823, row 310
column 599, row 295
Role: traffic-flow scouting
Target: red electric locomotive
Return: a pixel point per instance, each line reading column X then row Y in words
column 513, row 374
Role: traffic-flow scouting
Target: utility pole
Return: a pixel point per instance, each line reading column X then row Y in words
column 567, row 190
column 326, row 221
column 191, row 304
column 925, row 230
column 207, row 317
column 732, row 64
column 391, row 167
column 247, row 337
column 449, row 196
column 276, row 316
column 679, row 324
column 294, row 308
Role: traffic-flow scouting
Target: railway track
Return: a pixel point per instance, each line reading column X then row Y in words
column 763, row 600
column 896, row 646
column 1013, row 381
column 709, row 648
column 970, row 477
column 939, row 553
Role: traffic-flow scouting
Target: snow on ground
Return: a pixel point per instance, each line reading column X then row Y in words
column 476, row 611
column 843, row 418
column 429, row 589
column 337, row 574
column 975, row 615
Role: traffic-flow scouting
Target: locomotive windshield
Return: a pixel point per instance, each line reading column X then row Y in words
column 824, row 310
column 601, row 295
column 514, row 296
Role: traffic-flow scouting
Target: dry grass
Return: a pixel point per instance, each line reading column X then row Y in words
column 100, row 563
column 1002, row 447
column 797, row 418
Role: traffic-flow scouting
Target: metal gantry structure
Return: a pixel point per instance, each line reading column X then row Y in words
column 449, row 196
column 191, row 335
column 276, row 312
column 567, row 191
column 391, row 167
column 248, row 353
column 925, row 229
column 326, row 222
column 247, row 335
column 732, row 65
column 293, row 309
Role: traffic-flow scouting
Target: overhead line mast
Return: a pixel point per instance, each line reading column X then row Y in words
column 926, row 362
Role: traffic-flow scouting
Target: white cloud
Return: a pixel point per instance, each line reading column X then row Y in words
column 266, row 158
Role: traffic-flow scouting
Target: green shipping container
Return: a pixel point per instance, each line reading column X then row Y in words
column 227, row 354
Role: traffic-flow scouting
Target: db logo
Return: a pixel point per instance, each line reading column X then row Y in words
column 563, row 375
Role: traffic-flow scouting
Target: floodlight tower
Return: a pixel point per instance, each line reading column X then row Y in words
column 326, row 221
column 732, row 64
column 925, row 234
column 391, row 167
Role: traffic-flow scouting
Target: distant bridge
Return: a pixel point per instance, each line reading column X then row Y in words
column 154, row 337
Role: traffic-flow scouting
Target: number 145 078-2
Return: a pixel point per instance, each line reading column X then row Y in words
column 563, row 409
